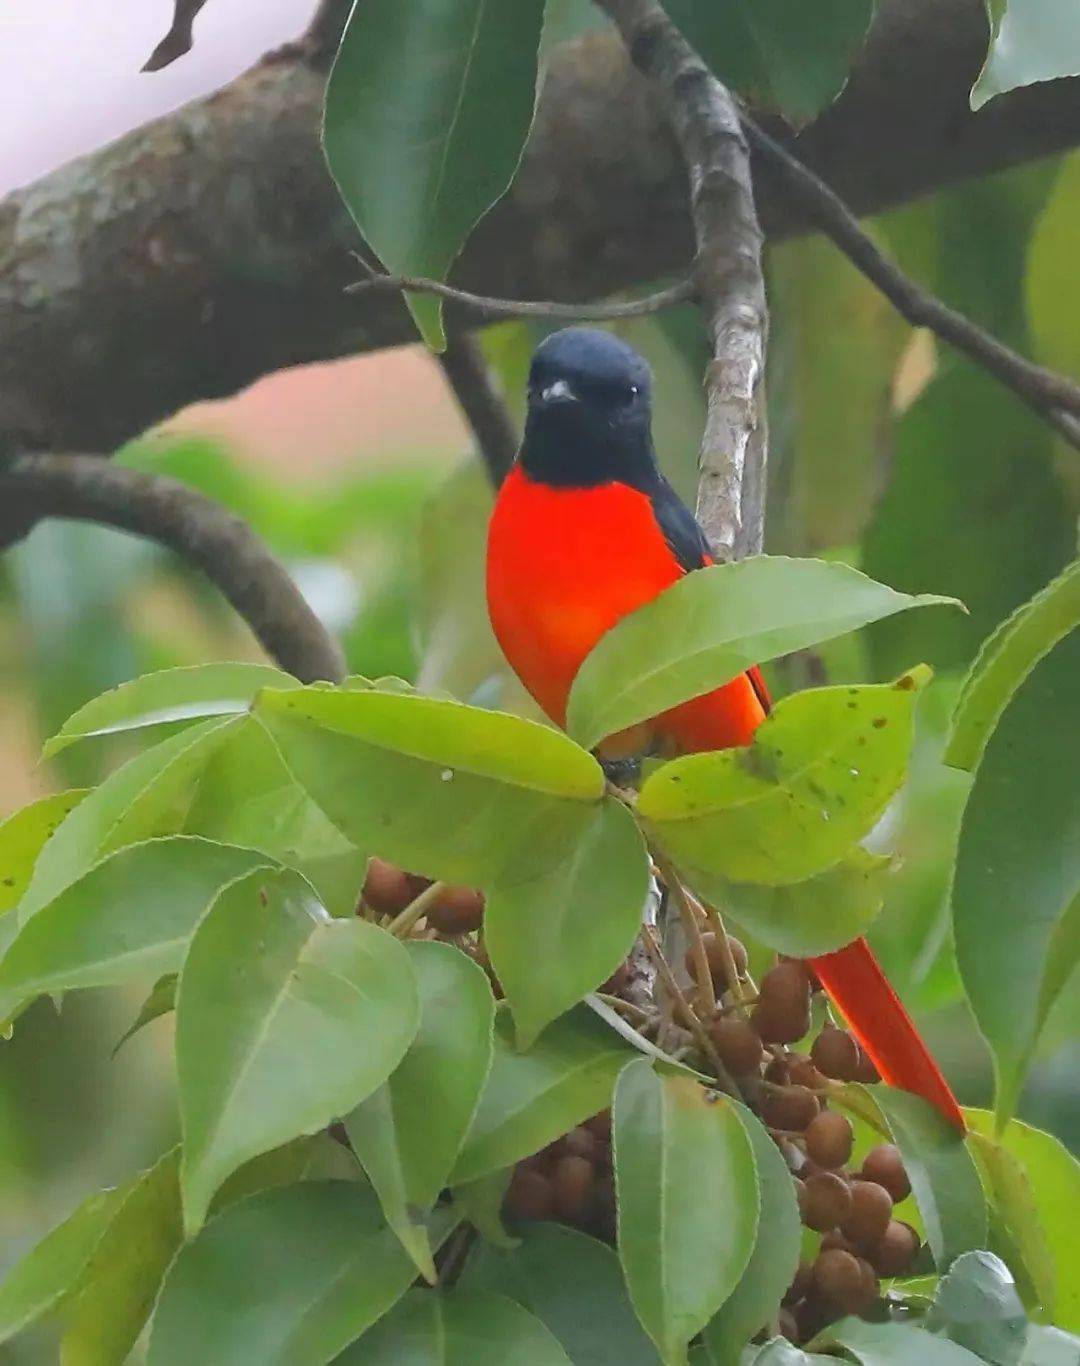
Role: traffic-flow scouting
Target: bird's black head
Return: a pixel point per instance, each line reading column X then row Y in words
column 589, row 412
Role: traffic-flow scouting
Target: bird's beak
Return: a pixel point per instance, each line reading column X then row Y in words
column 559, row 391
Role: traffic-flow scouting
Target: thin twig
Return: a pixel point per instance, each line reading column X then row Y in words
column 717, row 922
column 486, row 307
column 1055, row 397
column 727, row 273
column 689, row 1016
column 403, row 922
column 469, row 376
column 89, row 488
column 691, row 928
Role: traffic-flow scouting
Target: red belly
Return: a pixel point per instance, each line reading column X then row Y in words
column 564, row 565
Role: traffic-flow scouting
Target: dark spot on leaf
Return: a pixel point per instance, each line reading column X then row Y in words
column 879, row 722
column 264, row 900
column 853, row 692
column 905, row 684
column 9, row 882
column 853, row 706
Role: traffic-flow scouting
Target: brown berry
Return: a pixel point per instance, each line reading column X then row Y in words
column 580, row 1142
column 777, row 1071
column 530, row 1195
column 387, row 889
column 884, row 1165
column 803, row 1073
column 838, row 1280
column 458, row 910
column 737, row 1043
column 780, row 1024
column 826, row 1201
column 835, row 1054
column 835, row 1239
column 602, row 1213
column 800, row 1284
column 871, row 1210
column 789, row 1107
column 619, row 980
column 829, row 1139
column 895, row 1250
column 786, row 986
column 572, row 1183
column 870, row 1287
column 600, row 1125
column 866, row 1072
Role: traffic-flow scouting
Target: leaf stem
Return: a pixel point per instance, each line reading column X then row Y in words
column 690, row 1018
column 688, row 916
column 404, row 921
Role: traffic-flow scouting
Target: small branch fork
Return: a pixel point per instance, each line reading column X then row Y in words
column 91, row 489
column 726, row 279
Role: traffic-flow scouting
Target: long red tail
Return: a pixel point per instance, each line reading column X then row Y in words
column 876, row 1016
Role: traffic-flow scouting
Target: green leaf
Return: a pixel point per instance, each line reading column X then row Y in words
column 246, row 795
column 1050, row 1347
column 1050, row 289
column 406, row 1155
column 456, row 1328
column 532, row 1098
column 410, row 135
column 44, row 1278
column 1006, row 659
column 555, row 937
column 712, row 625
column 962, row 497
column 270, row 985
column 1034, row 1182
column 459, row 649
column 22, row 838
column 893, row 1344
column 1018, row 867
column 161, row 1001
column 977, row 1305
column 480, row 1202
column 943, row 1177
column 105, row 929
column 437, row 787
column 572, row 1283
column 121, row 1280
column 803, row 919
column 780, row 1352
column 288, row 1277
column 816, row 777
column 756, row 1299
column 173, row 695
column 688, row 1200
column 143, row 799
column 1031, row 40
column 793, row 59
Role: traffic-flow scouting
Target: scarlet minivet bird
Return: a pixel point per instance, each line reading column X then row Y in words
column 585, row 530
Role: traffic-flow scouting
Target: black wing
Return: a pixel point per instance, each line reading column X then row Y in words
column 680, row 528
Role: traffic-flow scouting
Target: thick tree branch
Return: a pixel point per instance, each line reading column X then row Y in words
column 204, row 534
column 469, row 376
column 727, row 273
column 209, row 248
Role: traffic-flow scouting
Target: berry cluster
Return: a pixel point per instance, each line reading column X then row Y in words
column 750, row 1033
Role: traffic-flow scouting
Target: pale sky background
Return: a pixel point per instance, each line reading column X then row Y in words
column 70, row 81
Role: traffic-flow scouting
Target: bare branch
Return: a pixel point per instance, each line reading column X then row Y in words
column 469, row 376
column 204, row 534
column 178, row 39
column 209, row 248
column 485, row 306
column 1053, row 396
column 727, row 274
